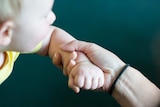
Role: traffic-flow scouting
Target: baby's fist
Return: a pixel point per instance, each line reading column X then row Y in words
column 87, row 76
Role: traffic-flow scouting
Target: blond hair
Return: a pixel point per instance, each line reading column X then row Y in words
column 9, row 9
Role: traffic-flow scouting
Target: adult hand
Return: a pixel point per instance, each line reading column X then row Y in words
column 110, row 64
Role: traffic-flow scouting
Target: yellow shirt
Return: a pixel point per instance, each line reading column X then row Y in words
column 7, row 67
column 10, row 58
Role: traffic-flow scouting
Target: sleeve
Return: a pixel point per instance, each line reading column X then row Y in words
column 7, row 67
column 37, row 48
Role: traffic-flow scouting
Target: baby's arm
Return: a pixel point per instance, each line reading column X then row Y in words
column 84, row 74
column 59, row 38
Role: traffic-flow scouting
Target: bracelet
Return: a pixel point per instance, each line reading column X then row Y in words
column 113, row 85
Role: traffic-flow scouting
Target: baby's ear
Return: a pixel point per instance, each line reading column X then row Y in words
column 6, row 31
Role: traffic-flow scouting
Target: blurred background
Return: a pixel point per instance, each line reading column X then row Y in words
column 129, row 28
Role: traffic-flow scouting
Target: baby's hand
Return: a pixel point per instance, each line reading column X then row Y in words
column 85, row 75
column 81, row 72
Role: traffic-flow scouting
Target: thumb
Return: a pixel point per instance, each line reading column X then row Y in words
column 72, row 86
column 76, row 45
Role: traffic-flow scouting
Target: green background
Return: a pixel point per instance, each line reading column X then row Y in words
column 130, row 28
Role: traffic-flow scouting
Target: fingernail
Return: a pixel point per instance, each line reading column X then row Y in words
column 73, row 62
column 55, row 56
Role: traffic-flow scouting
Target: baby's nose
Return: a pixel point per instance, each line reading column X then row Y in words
column 51, row 17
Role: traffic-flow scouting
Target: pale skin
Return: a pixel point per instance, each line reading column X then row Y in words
column 132, row 89
column 32, row 26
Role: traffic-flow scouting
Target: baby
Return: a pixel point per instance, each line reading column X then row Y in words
column 25, row 27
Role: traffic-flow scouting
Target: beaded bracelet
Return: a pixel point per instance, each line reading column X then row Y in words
column 113, row 85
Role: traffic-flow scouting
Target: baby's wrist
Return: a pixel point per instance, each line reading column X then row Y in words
column 81, row 57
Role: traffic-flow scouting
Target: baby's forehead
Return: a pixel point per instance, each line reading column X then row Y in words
column 41, row 4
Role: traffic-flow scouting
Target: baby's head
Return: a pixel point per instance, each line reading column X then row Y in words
column 24, row 23
column 9, row 9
